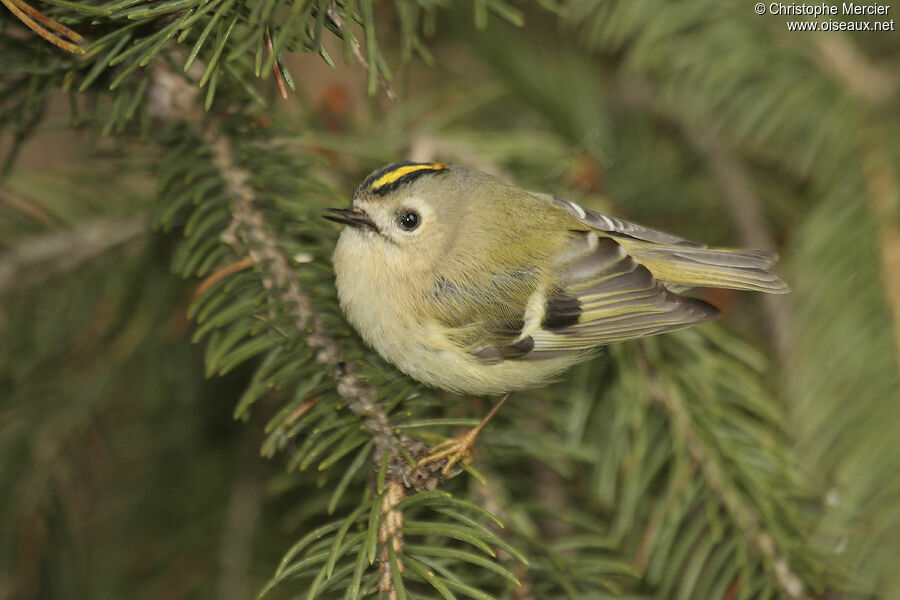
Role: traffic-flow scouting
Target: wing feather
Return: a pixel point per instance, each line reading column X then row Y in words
column 620, row 303
column 615, row 283
column 616, row 300
column 682, row 263
column 621, row 227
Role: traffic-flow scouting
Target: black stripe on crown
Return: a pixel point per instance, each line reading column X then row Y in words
column 366, row 186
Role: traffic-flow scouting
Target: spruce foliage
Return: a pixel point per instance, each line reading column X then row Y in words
column 168, row 309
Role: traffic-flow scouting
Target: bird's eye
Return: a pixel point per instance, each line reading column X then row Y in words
column 409, row 220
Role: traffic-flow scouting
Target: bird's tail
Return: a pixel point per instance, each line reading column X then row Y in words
column 710, row 267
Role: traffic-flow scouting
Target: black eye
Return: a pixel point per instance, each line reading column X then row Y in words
column 409, row 220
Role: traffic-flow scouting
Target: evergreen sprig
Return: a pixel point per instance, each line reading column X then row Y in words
column 685, row 466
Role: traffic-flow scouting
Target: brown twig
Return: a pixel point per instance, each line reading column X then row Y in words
column 229, row 269
column 24, row 12
column 276, row 69
column 48, row 22
column 390, row 533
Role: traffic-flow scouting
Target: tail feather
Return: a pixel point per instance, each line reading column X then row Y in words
column 710, row 267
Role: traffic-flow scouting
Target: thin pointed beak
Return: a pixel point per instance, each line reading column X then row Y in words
column 353, row 217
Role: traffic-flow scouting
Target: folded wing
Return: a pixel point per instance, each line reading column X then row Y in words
column 606, row 296
column 682, row 263
column 616, row 283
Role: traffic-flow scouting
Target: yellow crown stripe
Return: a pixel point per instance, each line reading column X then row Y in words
column 392, row 176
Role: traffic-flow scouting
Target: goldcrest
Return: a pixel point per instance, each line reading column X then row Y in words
column 470, row 284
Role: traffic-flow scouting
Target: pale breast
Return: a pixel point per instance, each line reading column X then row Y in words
column 380, row 306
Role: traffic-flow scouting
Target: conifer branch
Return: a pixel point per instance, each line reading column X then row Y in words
column 248, row 233
column 745, row 517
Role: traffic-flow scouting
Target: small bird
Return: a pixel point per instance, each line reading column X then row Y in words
column 473, row 285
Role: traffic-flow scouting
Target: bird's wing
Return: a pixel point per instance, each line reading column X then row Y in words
column 603, row 296
column 613, row 286
column 681, row 263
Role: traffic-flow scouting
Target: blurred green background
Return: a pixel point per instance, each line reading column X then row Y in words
column 123, row 473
